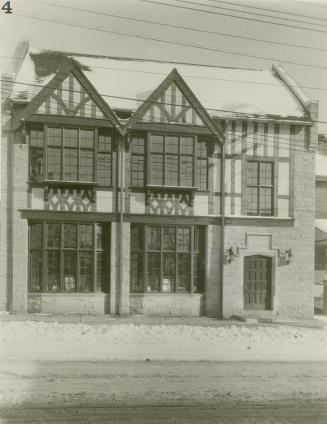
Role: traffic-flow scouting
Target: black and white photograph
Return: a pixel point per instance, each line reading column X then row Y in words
column 163, row 212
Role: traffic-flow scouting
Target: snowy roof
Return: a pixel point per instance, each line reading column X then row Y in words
column 125, row 80
column 321, row 165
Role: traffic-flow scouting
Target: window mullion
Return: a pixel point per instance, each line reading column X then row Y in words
column 62, row 259
column 176, row 276
column 161, row 259
column 145, row 260
column 78, row 152
column 94, row 269
column 192, row 260
column 77, row 261
column 62, row 155
column 45, row 152
column 95, row 156
column 164, row 161
column 194, row 157
column 148, row 160
column 44, row 258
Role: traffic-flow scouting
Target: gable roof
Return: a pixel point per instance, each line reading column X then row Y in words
column 154, row 98
column 50, row 89
column 126, row 83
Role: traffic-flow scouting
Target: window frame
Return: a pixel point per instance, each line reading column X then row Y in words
column 196, row 158
column 164, row 155
column 195, row 254
column 97, row 131
column 61, row 249
column 260, row 186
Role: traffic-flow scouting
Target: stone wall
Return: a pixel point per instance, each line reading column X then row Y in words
column 68, row 303
column 166, row 304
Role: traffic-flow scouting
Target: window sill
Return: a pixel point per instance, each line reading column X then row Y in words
column 62, row 183
column 70, row 183
column 165, row 294
column 67, row 293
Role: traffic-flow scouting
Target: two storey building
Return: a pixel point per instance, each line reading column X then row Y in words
column 147, row 187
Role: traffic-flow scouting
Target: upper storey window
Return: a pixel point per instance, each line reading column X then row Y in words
column 70, row 154
column 260, row 188
column 170, row 160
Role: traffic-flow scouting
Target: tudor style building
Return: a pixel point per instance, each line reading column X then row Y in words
column 155, row 188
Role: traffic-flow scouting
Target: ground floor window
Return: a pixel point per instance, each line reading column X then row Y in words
column 167, row 259
column 68, row 257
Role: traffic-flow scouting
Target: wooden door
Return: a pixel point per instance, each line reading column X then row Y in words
column 257, row 282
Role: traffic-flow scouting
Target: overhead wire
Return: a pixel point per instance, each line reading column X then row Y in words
column 233, row 136
column 163, row 73
column 54, row 87
column 229, row 15
column 239, row 114
column 269, row 10
column 152, row 22
column 250, row 13
column 171, row 42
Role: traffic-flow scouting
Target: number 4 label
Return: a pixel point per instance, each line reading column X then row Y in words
column 6, row 7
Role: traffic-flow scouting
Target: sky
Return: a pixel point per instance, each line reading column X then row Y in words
column 27, row 22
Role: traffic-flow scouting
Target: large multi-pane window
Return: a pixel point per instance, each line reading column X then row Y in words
column 70, row 155
column 68, row 257
column 260, row 188
column 167, row 259
column 171, row 161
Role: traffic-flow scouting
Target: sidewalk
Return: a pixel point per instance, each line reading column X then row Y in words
column 319, row 321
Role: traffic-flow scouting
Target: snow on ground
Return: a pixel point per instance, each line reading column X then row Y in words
column 34, row 341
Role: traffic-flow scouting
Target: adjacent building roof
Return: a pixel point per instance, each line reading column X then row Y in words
column 126, row 83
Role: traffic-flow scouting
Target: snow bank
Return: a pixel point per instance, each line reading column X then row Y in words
column 62, row 341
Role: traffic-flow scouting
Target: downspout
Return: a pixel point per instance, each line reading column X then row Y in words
column 222, row 239
column 121, row 221
column 10, row 199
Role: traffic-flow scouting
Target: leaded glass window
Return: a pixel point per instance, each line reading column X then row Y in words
column 70, row 155
column 172, row 160
column 68, row 257
column 169, row 160
column 169, row 260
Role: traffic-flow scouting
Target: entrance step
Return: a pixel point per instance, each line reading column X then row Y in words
column 253, row 318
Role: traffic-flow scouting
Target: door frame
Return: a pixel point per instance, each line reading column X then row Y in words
column 268, row 303
column 273, row 288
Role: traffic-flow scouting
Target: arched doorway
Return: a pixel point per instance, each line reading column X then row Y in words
column 257, row 282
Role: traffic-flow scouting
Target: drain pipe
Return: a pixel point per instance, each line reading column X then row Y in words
column 121, row 222
column 222, row 238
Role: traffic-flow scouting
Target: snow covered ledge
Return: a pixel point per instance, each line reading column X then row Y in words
column 167, row 304
column 68, row 303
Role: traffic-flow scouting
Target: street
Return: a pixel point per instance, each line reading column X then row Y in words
column 163, row 392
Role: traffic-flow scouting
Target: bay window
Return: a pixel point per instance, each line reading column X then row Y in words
column 70, row 154
column 170, row 161
column 167, row 259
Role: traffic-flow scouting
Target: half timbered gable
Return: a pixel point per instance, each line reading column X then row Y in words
column 172, row 106
column 71, row 98
column 173, row 102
